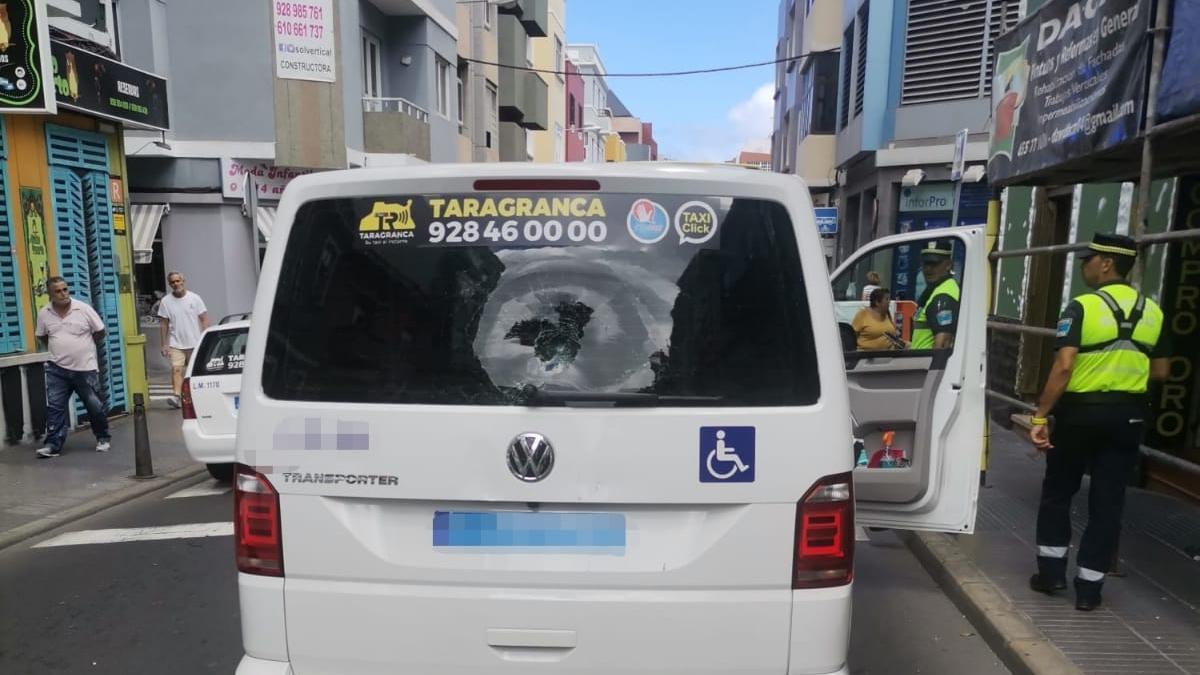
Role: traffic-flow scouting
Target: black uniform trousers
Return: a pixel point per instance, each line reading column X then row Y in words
column 1104, row 437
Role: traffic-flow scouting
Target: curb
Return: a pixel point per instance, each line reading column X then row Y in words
column 106, row 501
column 1010, row 634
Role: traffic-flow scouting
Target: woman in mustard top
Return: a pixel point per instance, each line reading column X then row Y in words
column 873, row 325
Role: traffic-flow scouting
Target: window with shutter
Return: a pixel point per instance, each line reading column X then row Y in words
column 944, row 50
column 12, row 337
column 847, row 62
column 86, row 258
column 860, row 74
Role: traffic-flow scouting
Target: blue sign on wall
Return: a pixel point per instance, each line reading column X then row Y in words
column 827, row 219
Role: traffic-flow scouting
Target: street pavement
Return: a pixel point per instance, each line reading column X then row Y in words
column 170, row 605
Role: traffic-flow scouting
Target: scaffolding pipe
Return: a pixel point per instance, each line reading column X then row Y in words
column 1156, row 455
column 1158, row 36
column 1021, row 328
column 1144, row 240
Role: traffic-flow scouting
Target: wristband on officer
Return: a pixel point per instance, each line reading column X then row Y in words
column 1039, row 421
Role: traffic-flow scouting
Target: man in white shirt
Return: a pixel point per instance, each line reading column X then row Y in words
column 183, row 318
column 71, row 329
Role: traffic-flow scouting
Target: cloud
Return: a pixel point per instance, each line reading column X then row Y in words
column 755, row 117
column 749, row 124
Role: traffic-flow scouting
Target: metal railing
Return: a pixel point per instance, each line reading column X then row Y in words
column 1156, row 455
column 396, row 105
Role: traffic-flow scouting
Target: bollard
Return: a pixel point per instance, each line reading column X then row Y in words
column 144, row 468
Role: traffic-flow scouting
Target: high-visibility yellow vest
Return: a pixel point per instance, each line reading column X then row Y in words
column 1120, row 329
column 922, row 335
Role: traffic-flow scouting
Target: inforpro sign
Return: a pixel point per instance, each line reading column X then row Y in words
column 1069, row 81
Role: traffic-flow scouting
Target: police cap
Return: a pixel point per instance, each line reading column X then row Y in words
column 936, row 251
column 1109, row 244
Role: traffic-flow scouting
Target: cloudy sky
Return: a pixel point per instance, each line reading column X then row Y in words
column 697, row 117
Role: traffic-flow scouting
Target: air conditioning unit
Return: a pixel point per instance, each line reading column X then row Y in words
column 91, row 20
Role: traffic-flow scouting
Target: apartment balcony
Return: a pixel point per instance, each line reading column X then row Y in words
column 395, row 126
column 534, row 15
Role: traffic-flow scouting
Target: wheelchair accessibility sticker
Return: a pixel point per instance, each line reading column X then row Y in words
column 726, row 454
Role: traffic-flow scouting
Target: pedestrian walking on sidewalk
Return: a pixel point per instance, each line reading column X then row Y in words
column 1107, row 348
column 71, row 329
column 184, row 318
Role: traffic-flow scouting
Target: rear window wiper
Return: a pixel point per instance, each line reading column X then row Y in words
column 535, row 396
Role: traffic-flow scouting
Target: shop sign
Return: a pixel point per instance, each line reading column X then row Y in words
column 827, row 219
column 269, row 180
column 25, row 58
column 1069, row 81
column 110, row 89
column 304, row 40
column 1174, row 420
column 116, row 197
column 920, row 198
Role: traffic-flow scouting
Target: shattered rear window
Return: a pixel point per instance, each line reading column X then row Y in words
column 477, row 299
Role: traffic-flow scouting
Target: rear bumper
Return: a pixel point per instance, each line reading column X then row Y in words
column 349, row 627
column 206, row 448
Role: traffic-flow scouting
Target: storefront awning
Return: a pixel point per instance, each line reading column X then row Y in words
column 145, row 219
column 264, row 220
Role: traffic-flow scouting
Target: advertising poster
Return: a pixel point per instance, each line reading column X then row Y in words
column 304, row 40
column 38, row 253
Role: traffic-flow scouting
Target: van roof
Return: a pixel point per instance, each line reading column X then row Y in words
column 698, row 171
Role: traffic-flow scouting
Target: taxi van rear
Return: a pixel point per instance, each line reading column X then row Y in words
column 529, row 420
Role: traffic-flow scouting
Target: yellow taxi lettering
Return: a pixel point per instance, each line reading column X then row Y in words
column 524, row 207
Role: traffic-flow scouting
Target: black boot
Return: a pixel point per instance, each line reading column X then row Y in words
column 1051, row 575
column 1087, row 594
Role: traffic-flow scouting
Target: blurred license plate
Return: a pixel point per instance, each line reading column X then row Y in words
column 530, row 531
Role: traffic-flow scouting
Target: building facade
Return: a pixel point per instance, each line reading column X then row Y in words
column 203, row 202
column 524, row 94
column 63, row 198
column 806, row 94
column 597, row 118
column 909, row 81
column 478, row 83
column 576, row 138
column 550, row 53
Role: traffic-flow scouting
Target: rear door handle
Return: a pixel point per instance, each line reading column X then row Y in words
column 539, row 639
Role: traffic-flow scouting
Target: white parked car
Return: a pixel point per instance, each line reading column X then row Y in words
column 575, row 418
column 211, row 394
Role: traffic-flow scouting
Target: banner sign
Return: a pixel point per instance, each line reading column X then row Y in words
column 106, row 88
column 25, row 58
column 304, row 40
column 1069, row 81
column 269, row 180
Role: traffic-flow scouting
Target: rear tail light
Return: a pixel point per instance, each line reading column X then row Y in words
column 537, row 184
column 825, row 534
column 256, row 525
column 185, row 399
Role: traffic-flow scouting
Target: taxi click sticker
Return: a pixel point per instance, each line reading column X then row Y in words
column 695, row 222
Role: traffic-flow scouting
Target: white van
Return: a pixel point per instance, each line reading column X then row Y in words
column 516, row 418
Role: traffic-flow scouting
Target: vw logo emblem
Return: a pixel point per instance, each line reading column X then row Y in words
column 530, row 457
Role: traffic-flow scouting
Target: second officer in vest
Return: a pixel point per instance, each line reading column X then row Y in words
column 1107, row 348
column 937, row 308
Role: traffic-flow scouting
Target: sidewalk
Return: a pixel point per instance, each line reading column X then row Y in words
column 40, row 491
column 1150, row 620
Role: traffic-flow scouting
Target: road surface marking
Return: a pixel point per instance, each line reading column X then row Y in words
column 121, row 535
column 860, row 533
column 202, row 490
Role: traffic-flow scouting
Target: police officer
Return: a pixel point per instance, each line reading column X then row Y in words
column 937, row 308
column 1107, row 347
